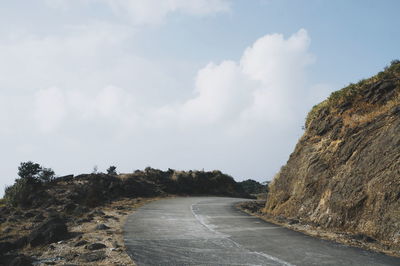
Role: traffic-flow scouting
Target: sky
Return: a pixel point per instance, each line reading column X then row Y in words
column 181, row 84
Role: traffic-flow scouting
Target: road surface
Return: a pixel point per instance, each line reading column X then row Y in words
column 211, row 231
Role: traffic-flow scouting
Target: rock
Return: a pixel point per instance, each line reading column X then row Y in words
column 102, row 227
column 84, row 220
column 70, row 256
column 29, row 215
column 4, row 211
column 395, row 110
column 293, row 221
column 6, row 247
column 96, row 246
column 116, row 245
column 80, row 210
column 80, row 243
column 38, row 218
column 21, row 260
column 98, row 213
column 365, row 238
column 21, row 242
column 93, row 256
column 70, row 207
column 7, row 230
column 52, row 230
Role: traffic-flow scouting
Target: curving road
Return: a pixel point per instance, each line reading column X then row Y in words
column 211, row 231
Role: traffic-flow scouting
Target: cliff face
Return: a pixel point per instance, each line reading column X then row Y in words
column 344, row 173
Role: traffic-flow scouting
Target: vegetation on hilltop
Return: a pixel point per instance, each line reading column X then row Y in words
column 253, row 187
column 38, row 187
column 354, row 94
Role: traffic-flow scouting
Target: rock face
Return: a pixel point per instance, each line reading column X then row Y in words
column 344, row 173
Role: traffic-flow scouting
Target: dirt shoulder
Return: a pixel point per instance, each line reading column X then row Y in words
column 95, row 238
column 356, row 240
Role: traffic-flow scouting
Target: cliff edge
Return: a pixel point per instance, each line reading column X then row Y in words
column 344, row 173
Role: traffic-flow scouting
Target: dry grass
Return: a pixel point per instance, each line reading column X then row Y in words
column 356, row 118
column 352, row 91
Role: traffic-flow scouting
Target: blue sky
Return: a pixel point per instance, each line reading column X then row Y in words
column 213, row 84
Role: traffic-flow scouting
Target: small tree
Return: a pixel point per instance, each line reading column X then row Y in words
column 112, row 170
column 29, row 170
column 35, row 173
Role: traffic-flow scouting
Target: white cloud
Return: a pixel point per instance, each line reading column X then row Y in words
column 222, row 92
column 262, row 88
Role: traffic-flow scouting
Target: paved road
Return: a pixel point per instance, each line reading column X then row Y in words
column 211, row 231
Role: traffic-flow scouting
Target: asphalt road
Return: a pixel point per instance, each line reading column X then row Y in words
column 211, row 231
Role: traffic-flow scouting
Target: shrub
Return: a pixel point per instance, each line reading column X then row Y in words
column 112, row 170
column 29, row 170
column 27, row 188
column 253, row 187
column 19, row 194
column 35, row 173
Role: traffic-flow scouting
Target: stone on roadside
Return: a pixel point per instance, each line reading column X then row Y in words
column 93, row 256
column 102, row 227
column 96, row 246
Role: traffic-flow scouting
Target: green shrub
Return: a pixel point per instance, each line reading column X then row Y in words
column 46, row 175
column 20, row 193
column 35, row 173
column 112, row 170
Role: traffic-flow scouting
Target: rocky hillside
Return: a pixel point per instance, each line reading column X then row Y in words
column 344, row 173
column 40, row 214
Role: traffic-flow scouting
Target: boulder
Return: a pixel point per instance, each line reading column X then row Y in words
column 6, row 247
column 52, row 230
column 93, row 256
column 21, row 260
column 96, row 246
column 102, row 227
column 80, row 243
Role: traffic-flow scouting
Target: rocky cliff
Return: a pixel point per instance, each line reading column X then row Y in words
column 344, row 173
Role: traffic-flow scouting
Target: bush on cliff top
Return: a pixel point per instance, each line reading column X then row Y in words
column 350, row 92
column 25, row 188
